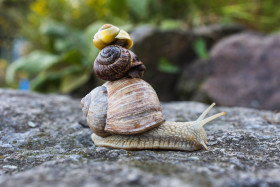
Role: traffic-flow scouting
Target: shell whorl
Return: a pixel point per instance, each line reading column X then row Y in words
column 94, row 107
column 115, row 62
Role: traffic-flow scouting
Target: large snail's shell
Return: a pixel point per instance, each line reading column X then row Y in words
column 133, row 107
column 94, row 106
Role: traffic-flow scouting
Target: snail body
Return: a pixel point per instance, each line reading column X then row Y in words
column 185, row 136
column 125, row 112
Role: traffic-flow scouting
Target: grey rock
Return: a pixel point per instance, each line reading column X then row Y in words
column 215, row 32
column 244, row 148
column 246, row 64
column 153, row 46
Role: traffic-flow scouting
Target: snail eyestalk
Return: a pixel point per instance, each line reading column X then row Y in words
column 199, row 124
column 202, row 116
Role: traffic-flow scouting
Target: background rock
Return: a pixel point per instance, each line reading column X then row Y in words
column 153, row 45
column 243, row 70
column 43, row 144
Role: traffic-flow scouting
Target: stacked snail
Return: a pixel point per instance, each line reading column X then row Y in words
column 125, row 112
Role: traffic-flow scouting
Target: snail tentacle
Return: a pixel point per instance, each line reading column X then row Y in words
column 202, row 116
column 201, row 123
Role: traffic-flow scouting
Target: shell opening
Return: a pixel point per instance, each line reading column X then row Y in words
column 137, row 72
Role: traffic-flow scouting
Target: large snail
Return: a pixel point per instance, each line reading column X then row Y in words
column 125, row 112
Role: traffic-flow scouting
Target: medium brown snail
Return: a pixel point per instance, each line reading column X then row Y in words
column 125, row 112
column 115, row 62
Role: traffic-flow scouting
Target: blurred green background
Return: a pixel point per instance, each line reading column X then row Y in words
column 47, row 44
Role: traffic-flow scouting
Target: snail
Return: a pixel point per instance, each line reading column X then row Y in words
column 125, row 111
column 115, row 62
column 126, row 114
column 109, row 34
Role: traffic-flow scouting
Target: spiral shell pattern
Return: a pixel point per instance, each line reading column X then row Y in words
column 112, row 63
column 94, row 106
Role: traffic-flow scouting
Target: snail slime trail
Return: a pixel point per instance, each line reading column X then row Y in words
column 125, row 112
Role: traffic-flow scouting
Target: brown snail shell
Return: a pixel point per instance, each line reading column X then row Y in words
column 132, row 107
column 115, row 62
column 94, row 106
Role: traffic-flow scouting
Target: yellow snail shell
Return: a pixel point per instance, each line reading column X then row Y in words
column 109, row 34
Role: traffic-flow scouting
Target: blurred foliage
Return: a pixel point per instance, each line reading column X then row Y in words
column 62, row 64
column 10, row 18
column 3, row 67
column 166, row 66
column 200, row 48
column 60, row 31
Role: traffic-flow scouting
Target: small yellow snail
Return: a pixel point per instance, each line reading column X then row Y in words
column 109, row 34
column 125, row 112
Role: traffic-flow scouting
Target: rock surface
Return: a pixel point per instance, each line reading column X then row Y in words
column 43, row 144
column 246, row 64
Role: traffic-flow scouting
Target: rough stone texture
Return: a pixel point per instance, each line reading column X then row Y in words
column 43, row 144
column 151, row 45
column 243, row 70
